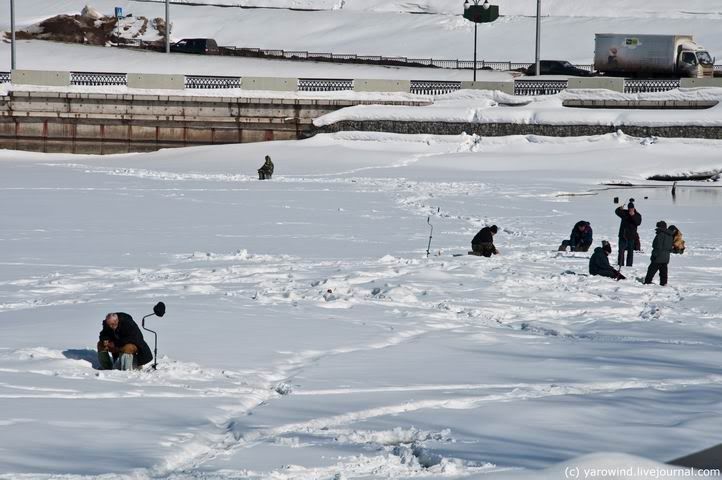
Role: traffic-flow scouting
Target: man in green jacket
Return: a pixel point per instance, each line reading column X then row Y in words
column 661, row 248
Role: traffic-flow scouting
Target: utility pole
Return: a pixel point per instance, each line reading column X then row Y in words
column 537, row 71
column 167, row 26
column 475, row 25
column 13, row 58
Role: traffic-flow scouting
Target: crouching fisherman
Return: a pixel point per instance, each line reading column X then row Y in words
column 580, row 239
column 266, row 170
column 122, row 339
column 599, row 263
column 483, row 242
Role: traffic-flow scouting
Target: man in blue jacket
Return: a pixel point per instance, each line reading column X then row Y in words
column 122, row 339
column 599, row 263
column 581, row 238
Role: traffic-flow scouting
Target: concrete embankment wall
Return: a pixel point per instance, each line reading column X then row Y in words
column 40, row 119
column 118, row 123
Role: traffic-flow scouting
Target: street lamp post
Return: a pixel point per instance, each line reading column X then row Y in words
column 537, row 71
column 484, row 13
column 167, row 26
column 476, row 25
column 12, row 35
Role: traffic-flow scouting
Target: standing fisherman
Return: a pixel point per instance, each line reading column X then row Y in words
column 631, row 219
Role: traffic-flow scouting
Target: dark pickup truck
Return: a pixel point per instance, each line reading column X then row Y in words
column 203, row 46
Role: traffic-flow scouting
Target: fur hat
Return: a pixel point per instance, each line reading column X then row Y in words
column 606, row 246
column 630, row 206
column 662, row 225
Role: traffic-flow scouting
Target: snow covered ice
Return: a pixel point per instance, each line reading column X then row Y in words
column 307, row 334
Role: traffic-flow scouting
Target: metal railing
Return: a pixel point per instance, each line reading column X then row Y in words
column 455, row 64
column 324, row 84
column 539, row 87
column 522, row 86
column 98, row 79
column 208, row 82
column 433, row 87
column 632, row 85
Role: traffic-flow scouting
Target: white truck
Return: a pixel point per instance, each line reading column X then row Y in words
column 632, row 55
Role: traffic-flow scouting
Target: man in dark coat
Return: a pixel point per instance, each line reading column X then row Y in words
column 599, row 263
column 662, row 246
column 122, row 339
column 631, row 219
column 580, row 239
column 483, row 242
column 266, row 170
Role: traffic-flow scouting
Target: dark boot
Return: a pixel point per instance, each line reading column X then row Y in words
column 106, row 363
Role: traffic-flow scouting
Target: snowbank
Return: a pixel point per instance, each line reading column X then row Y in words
column 480, row 107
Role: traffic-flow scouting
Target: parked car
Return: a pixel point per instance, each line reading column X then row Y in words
column 203, row 46
column 557, row 67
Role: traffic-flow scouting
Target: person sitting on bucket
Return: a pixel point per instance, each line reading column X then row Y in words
column 599, row 263
column 266, row 171
column 122, row 339
column 483, row 242
column 581, row 238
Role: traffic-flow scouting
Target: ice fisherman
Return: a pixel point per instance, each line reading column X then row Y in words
column 631, row 219
column 599, row 263
column 662, row 246
column 266, row 170
column 122, row 339
column 580, row 239
column 483, row 242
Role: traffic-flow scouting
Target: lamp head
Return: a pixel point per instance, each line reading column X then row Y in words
column 486, row 5
column 466, row 5
column 159, row 309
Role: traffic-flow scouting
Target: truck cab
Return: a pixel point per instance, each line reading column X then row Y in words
column 695, row 62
